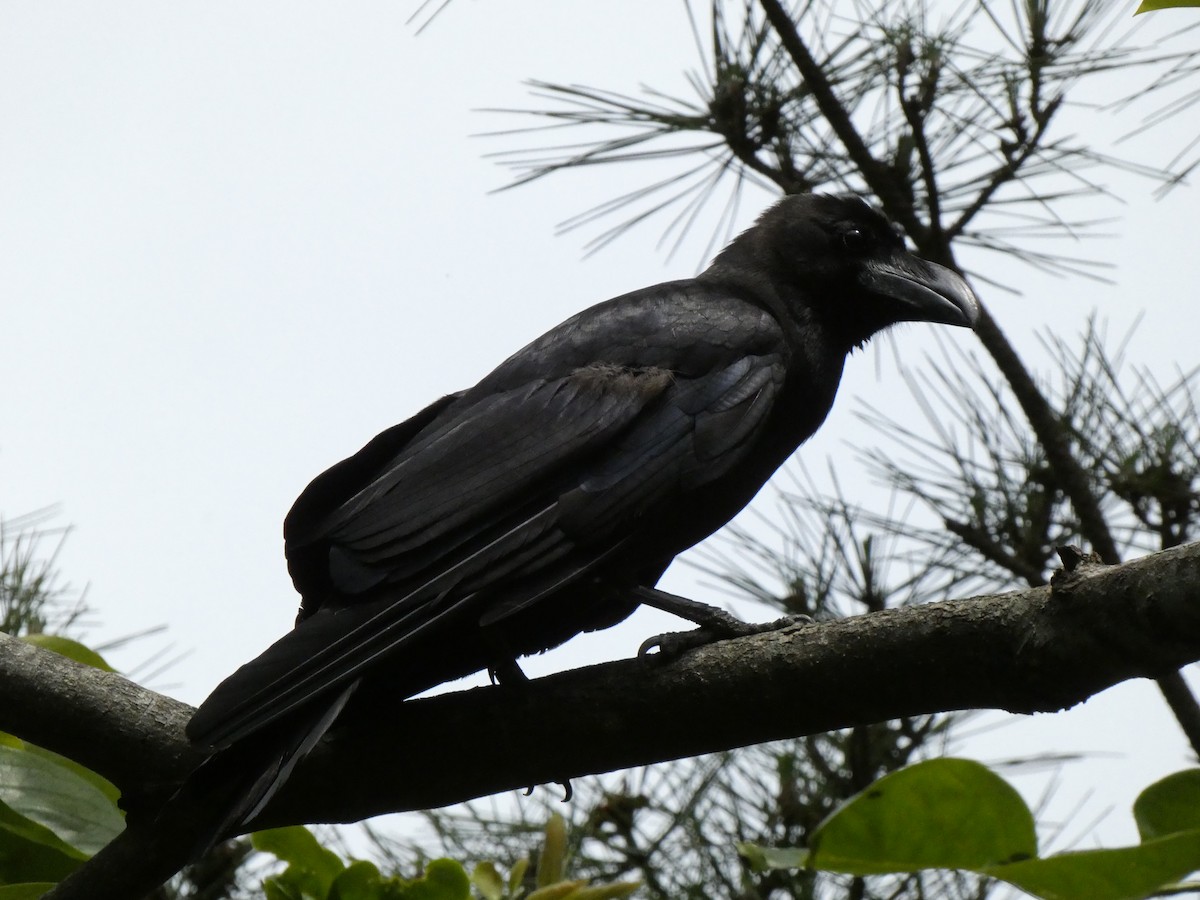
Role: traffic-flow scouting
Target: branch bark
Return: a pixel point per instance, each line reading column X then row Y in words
column 1042, row 649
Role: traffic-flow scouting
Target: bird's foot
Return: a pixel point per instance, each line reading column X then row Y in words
column 726, row 627
column 507, row 672
column 715, row 624
column 565, row 784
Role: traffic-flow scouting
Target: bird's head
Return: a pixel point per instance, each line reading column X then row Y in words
column 850, row 267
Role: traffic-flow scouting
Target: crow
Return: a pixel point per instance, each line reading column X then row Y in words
column 548, row 499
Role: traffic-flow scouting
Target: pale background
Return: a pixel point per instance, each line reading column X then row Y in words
column 237, row 240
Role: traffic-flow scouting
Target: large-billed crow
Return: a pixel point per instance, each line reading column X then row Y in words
column 548, row 499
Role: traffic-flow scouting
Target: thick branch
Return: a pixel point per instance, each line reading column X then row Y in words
column 127, row 733
column 1041, row 649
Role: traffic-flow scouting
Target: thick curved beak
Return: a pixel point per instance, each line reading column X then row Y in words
column 925, row 291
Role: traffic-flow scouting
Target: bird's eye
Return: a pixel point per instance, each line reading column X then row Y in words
column 855, row 240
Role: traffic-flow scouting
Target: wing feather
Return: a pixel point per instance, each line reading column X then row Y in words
column 502, row 496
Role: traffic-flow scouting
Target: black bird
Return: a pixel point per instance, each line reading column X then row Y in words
column 548, row 499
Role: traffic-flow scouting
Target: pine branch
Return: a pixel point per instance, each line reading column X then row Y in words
column 878, row 177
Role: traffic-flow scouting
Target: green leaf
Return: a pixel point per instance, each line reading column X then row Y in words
column 361, row 881
column 27, row 891
column 1170, row 805
column 311, row 868
column 296, row 846
column 102, row 784
column 763, row 859
column 70, row 649
column 958, row 814
column 557, row 891
column 444, row 879
column 30, row 852
column 1156, row 5
column 12, row 822
column 941, row 813
column 552, row 862
column 274, row 889
column 516, row 874
column 486, row 879
column 605, row 891
column 42, row 790
column 1126, row 873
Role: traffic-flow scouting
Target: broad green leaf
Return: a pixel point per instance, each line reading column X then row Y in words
column 956, row 814
column 275, row 890
column 1169, row 806
column 29, row 891
column 30, row 852
column 361, row 881
column 311, row 868
column 70, row 649
column 444, row 879
column 102, row 784
column 1155, row 5
column 486, row 879
column 14, row 823
column 51, row 794
column 296, row 845
column 1127, row 873
column 295, row 884
column 941, row 813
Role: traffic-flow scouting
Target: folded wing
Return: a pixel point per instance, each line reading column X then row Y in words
column 499, row 498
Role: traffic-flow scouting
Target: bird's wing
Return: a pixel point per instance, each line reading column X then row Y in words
column 530, row 480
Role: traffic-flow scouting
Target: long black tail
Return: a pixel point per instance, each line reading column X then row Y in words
column 233, row 786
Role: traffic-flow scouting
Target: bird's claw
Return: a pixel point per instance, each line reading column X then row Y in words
column 507, row 672
column 719, row 628
column 565, row 784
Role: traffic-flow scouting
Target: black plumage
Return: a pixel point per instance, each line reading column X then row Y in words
column 544, row 501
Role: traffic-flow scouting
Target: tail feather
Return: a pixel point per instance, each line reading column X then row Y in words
column 269, row 783
column 247, row 775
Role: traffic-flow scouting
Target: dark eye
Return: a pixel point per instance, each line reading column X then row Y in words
column 855, row 240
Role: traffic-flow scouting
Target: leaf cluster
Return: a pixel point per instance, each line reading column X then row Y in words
column 972, row 819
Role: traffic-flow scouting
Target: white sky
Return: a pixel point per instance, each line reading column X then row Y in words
column 238, row 240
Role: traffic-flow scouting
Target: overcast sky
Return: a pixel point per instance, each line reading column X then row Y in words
column 237, row 240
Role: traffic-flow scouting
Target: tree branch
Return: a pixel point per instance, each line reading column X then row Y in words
column 879, row 178
column 1053, row 434
column 1041, row 649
